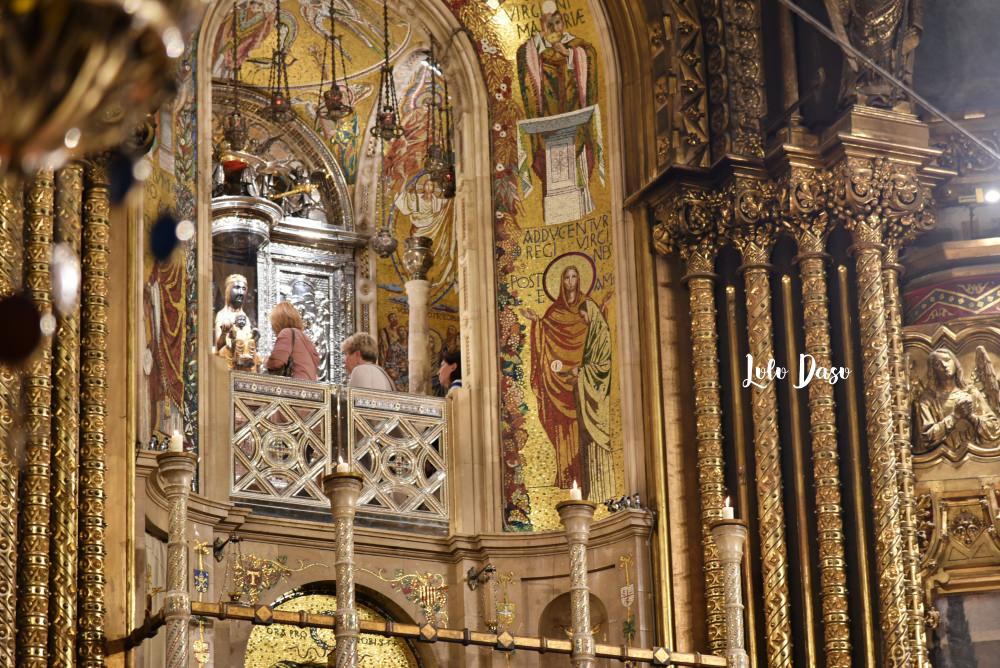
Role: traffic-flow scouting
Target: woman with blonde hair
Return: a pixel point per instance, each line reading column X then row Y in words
column 293, row 355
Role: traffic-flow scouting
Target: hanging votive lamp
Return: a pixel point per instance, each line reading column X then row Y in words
column 387, row 117
column 279, row 108
column 333, row 103
column 234, row 126
column 434, row 154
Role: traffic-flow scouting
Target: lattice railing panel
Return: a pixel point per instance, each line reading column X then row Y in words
column 281, row 431
column 285, row 436
column 399, row 445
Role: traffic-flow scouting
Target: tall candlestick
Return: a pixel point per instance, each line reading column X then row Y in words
column 343, row 491
column 176, row 442
column 576, row 516
column 729, row 537
column 575, row 493
column 176, row 469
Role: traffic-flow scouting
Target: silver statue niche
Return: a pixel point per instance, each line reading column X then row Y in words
column 286, row 225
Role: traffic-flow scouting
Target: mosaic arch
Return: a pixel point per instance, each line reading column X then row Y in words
column 283, row 646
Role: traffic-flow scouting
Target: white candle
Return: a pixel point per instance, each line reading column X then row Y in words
column 176, row 442
column 342, row 466
column 727, row 511
column 575, row 493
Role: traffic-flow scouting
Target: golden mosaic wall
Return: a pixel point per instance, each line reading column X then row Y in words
column 560, row 412
column 283, row 646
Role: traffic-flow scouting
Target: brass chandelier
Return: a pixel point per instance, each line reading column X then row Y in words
column 81, row 74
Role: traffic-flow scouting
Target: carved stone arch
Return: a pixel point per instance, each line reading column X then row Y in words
column 300, row 139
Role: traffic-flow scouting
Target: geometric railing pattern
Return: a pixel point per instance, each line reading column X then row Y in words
column 280, row 441
column 399, row 444
column 286, row 435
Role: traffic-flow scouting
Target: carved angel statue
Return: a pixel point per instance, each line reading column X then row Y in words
column 951, row 412
column 887, row 31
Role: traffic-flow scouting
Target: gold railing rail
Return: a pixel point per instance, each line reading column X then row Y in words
column 505, row 642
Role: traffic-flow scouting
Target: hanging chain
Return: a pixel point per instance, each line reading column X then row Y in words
column 333, row 43
column 236, row 67
column 385, row 29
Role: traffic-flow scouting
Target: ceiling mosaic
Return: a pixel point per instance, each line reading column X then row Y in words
column 305, row 30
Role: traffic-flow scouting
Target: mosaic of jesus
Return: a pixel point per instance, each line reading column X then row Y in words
column 571, row 376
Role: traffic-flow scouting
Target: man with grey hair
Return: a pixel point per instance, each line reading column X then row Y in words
column 361, row 360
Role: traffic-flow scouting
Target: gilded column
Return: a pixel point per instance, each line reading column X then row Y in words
column 93, row 410
column 708, row 427
column 33, row 539
column 811, row 236
column 906, row 478
column 343, row 488
column 755, row 244
column 893, row 617
column 176, row 471
column 576, row 516
column 11, row 230
column 66, row 435
column 687, row 226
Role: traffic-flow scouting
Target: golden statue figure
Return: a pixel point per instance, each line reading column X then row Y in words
column 951, row 412
column 241, row 346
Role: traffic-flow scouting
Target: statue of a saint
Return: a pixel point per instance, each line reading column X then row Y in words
column 951, row 412
column 225, row 319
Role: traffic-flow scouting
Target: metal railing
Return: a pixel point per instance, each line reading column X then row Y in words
column 285, row 434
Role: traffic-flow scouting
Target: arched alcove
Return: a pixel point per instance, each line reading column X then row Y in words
column 282, row 646
column 472, row 209
column 556, row 622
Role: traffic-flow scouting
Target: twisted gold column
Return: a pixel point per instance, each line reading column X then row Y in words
column 576, row 517
column 906, row 478
column 756, row 248
column 708, row 428
column 343, row 488
column 66, row 434
column 33, row 539
column 176, row 470
column 93, row 410
column 11, row 230
column 881, row 445
column 826, row 470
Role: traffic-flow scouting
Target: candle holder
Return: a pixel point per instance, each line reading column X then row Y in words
column 176, row 470
column 343, row 489
column 730, row 536
column 577, row 517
